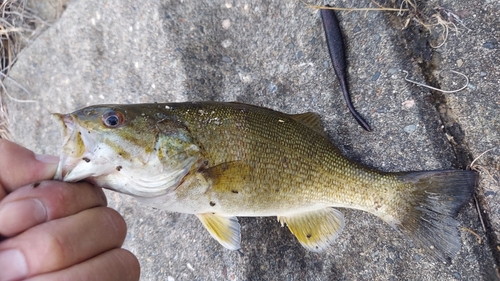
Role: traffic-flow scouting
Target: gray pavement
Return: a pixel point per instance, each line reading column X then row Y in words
column 273, row 54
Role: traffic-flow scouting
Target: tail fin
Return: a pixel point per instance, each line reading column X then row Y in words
column 435, row 199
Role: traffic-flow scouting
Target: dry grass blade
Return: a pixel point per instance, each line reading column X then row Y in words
column 438, row 20
column 380, row 8
column 4, row 124
column 484, row 170
column 17, row 26
column 480, row 155
column 479, row 240
column 445, row 25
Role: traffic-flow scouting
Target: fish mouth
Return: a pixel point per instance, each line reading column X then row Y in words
column 76, row 150
column 107, row 160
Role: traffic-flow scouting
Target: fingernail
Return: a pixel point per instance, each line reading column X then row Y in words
column 47, row 158
column 14, row 265
column 18, row 216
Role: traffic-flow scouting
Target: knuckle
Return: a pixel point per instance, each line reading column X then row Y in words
column 51, row 252
column 133, row 267
column 65, row 199
column 110, row 224
column 128, row 263
column 115, row 221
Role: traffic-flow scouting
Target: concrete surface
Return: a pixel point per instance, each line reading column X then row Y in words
column 273, row 54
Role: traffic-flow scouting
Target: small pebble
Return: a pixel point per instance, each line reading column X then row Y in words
column 471, row 86
column 226, row 59
column 490, row 44
column 299, row 55
column 417, row 257
column 407, row 104
column 356, row 29
column 482, row 74
column 376, row 76
column 392, row 71
column 226, row 24
column 460, row 62
column 272, row 88
column 489, row 193
column 410, row 128
column 226, row 43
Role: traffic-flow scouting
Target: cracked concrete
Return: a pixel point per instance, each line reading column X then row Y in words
column 274, row 54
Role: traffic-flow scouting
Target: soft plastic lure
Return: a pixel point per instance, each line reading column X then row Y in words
column 337, row 55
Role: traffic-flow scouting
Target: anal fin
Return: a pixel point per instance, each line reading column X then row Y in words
column 315, row 230
column 226, row 230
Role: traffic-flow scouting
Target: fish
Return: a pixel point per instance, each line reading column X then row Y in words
column 336, row 49
column 223, row 160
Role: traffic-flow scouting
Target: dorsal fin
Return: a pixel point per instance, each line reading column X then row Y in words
column 311, row 120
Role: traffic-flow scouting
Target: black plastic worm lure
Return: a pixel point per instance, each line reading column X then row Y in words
column 337, row 55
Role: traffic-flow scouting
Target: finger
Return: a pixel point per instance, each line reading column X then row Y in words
column 20, row 166
column 113, row 265
column 44, row 201
column 61, row 243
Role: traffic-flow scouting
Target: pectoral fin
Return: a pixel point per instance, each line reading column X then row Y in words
column 315, row 230
column 226, row 176
column 226, row 230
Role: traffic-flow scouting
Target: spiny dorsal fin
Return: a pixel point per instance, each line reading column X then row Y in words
column 315, row 230
column 311, row 120
column 308, row 119
column 226, row 230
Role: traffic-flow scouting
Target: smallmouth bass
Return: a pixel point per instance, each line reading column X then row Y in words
column 223, row 160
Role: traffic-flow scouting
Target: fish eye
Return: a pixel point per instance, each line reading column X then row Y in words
column 113, row 119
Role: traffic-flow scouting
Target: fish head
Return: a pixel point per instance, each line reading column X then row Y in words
column 132, row 149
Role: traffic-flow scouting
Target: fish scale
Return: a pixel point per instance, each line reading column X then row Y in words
column 265, row 148
column 222, row 160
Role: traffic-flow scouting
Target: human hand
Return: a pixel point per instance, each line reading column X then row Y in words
column 52, row 230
